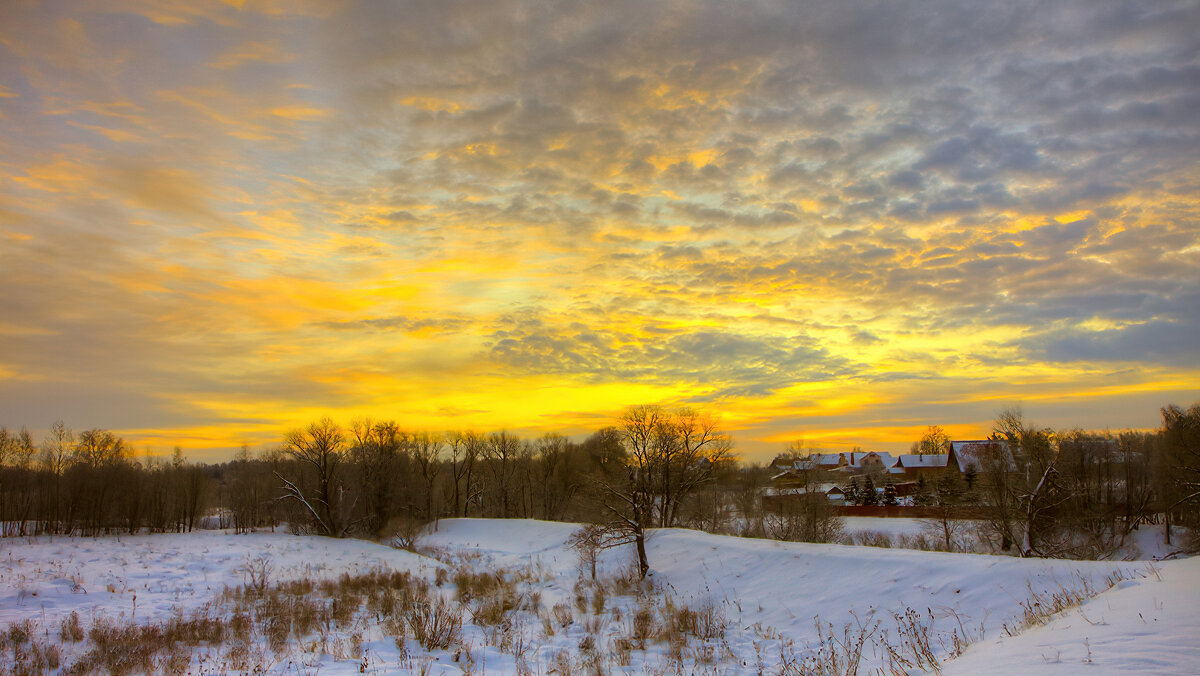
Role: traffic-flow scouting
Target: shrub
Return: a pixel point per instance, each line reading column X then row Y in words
column 120, row 650
column 435, row 625
column 34, row 659
column 643, row 624
column 563, row 615
column 19, row 632
column 256, row 572
column 598, row 599
column 490, row 611
column 472, row 585
column 70, row 629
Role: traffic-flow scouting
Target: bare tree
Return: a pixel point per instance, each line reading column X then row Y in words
column 588, row 541
column 97, row 447
column 948, row 494
column 700, row 446
column 935, row 441
column 97, row 457
column 501, row 453
column 248, row 486
column 382, row 465
column 427, row 449
column 666, row 457
column 56, row 456
column 556, row 476
column 16, row 494
column 628, row 505
column 321, row 447
column 464, row 450
column 1181, row 448
column 802, row 513
column 1041, row 490
column 1104, row 476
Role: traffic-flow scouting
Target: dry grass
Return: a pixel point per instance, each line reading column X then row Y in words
column 1039, row 607
column 70, row 629
column 914, row 645
column 642, row 625
column 250, row 628
column 29, row 656
column 562, row 615
column 436, row 625
column 259, row 627
column 473, row 585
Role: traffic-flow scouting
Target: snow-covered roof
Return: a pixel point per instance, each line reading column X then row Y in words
column 845, row 461
column 886, row 458
column 826, row 459
column 771, row 490
column 923, row 460
column 982, row 453
column 826, row 488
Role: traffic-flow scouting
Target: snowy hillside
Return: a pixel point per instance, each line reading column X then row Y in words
column 739, row 605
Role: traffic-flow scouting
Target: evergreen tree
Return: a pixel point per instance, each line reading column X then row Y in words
column 869, row 496
column 889, row 495
column 923, row 496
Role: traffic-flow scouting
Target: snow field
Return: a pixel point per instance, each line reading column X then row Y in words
column 1145, row 625
column 765, row 596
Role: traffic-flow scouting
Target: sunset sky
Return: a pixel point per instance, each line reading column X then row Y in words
column 840, row 222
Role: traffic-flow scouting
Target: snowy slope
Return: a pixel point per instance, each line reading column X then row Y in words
column 51, row 577
column 1146, row 625
column 770, row 593
column 785, row 586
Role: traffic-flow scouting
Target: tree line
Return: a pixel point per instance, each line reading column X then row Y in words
column 370, row 478
column 1079, row 494
column 655, row 467
column 89, row 483
column 1041, row 492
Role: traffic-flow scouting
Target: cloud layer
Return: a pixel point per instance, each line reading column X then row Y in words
column 841, row 222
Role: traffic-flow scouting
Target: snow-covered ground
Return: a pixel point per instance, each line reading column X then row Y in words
column 1147, row 625
column 879, row 524
column 770, row 595
column 52, row 577
column 1145, row 543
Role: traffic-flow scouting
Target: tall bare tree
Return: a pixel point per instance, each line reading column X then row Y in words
column 1040, row 489
column 556, row 474
column 56, row 456
column 464, row 450
column 427, row 449
column 321, row 447
column 501, row 454
column 1181, row 450
column 98, row 447
column 667, row 455
column 934, row 441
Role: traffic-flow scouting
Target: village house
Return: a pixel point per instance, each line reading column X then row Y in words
column 831, row 473
column 965, row 457
column 914, row 466
column 827, row 490
column 982, row 455
column 852, row 463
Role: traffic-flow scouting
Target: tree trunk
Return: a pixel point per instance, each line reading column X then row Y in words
column 643, row 564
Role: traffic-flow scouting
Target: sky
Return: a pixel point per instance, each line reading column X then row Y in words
column 821, row 221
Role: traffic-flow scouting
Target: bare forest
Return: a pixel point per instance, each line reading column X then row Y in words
column 1065, row 494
